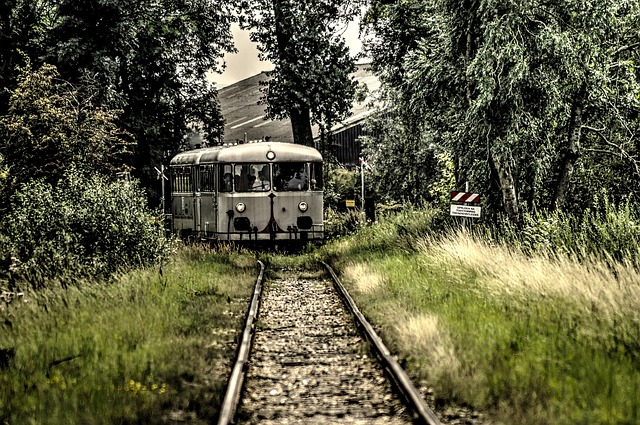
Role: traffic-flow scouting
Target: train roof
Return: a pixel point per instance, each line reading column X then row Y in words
column 252, row 152
column 197, row 156
column 257, row 152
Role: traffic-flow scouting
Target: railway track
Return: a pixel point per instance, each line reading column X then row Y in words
column 308, row 359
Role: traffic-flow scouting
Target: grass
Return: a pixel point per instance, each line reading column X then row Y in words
column 153, row 346
column 533, row 338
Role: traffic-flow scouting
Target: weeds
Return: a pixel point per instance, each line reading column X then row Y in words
column 152, row 345
column 531, row 333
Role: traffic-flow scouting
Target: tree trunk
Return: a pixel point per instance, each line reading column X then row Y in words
column 300, row 117
column 570, row 154
column 507, row 187
column 301, row 126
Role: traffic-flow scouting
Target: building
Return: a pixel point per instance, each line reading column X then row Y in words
column 245, row 116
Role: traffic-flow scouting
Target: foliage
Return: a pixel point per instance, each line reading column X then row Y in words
column 530, row 99
column 84, row 225
column 405, row 164
column 20, row 31
column 340, row 184
column 341, row 222
column 604, row 230
column 150, row 59
column 153, row 346
column 397, row 226
column 311, row 82
column 51, row 126
column 523, row 338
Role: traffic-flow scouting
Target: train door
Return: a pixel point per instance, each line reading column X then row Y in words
column 197, row 201
column 182, row 199
column 225, row 197
column 208, row 200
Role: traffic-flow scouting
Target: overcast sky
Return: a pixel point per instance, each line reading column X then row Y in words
column 245, row 63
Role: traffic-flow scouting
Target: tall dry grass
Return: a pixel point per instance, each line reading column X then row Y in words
column 527, row 337
column 612, row 288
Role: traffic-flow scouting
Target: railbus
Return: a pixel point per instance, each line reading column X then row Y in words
column 262, row 191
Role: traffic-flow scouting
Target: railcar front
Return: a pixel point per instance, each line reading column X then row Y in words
column 258, row 191
column 270, row 191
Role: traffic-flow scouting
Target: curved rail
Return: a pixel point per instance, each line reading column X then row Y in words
column 402, row 381
column 234, row 386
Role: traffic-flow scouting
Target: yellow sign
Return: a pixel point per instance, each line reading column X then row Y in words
column 351, row 203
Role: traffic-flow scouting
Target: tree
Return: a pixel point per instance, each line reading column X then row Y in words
column 50, row 126
column 509, row 87
column 310, row 82
column 151, row 59
column 20, row 23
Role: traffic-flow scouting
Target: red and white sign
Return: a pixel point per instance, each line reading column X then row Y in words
column 460, row 205
column 473, row 198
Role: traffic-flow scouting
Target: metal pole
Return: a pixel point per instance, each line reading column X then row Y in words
column 362, row 182
column 162, row 201
column 464, row 220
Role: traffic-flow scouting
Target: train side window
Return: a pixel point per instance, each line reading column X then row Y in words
column 226, row 178
column 181, row 179
column 207, row 178
column 290, row 176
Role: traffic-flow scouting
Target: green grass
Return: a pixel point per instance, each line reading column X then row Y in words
column 151, row 346
column 528, row 339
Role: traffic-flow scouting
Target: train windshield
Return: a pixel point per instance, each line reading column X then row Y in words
column 252, row 178
column 290, row 176
column 316, row 175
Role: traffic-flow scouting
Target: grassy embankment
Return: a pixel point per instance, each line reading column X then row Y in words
column 146, row 348
column 528, row 338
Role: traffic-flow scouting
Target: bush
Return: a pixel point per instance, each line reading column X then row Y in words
column 340, row 185
column 605, row 230
column 84, row 225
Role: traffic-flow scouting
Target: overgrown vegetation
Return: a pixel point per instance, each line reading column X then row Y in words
column 84, row 225
column 65, row 213
column 535, row 328
column 154, row 346
column 535, row 103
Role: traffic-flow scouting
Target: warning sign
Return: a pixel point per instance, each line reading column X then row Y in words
column 465, row 211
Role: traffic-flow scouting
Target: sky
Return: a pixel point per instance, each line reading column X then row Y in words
column 245, row 63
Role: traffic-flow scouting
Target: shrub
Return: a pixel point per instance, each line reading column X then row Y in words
column 340, row 184
column 605, row 230
column 85, row 225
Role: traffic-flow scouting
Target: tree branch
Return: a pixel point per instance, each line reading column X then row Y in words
column 625, row 48
column 619, row 150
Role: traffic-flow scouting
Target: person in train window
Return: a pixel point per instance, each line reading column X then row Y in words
column 296, row 183
column 227, row 184
column 262, row 182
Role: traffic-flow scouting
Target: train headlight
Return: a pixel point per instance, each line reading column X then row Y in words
column 303, row 206
column 271, row 155
column 240, row 207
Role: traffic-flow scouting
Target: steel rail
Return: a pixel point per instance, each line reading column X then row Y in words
column 234, row 386
column 399, row 376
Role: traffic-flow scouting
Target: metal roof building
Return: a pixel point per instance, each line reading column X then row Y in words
column 245, row 117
